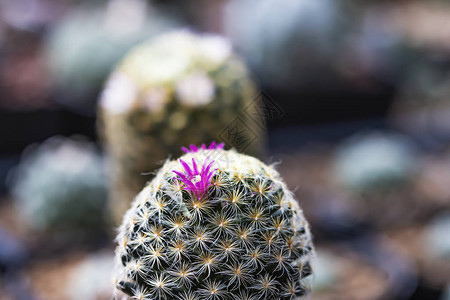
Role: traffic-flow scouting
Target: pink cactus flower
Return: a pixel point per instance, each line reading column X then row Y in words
column 194, row 148
column 194, row 180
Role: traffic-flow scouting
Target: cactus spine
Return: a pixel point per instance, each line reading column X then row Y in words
column 214, row 224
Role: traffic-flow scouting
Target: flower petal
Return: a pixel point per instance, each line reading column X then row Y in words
column 185, row 150
column 187, row 169
column 194, row 165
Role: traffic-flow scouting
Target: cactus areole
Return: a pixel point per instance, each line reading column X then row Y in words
column 214, row 224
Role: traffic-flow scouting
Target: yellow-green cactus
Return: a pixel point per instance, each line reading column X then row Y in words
column 179, row 89
column 214, row 224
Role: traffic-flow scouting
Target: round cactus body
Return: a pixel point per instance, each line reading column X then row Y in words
column 287, row 42
column 179, row 89
column 377, row 171
column 84, row 48
column 214, row 224
column 61, row 185
column 374, row 160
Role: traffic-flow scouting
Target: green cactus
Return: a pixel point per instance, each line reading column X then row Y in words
column 214, row 224
column 374, row 161
column 179, row 89
column 291, row 44
column 61, row 185
column 377, row 171
column 87, row 44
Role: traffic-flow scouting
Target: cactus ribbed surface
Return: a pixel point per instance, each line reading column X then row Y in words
column 214, row 224
column 178, row 89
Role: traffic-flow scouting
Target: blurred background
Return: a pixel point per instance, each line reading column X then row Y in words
column 357, row 108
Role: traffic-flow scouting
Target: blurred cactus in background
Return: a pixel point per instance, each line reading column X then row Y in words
column 84, row 48
column 377, row 170
column 290, row 44
column 61, row 185
column 372, row 161
column 214, row 224
column 179, row 89
column 339, row 269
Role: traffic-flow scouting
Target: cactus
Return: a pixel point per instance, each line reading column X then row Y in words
column 289, row 43
column 214, row 224
column 84, row 48
column 61, row 185
column 374, row 160
column 180, row 88
column 377, row 170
